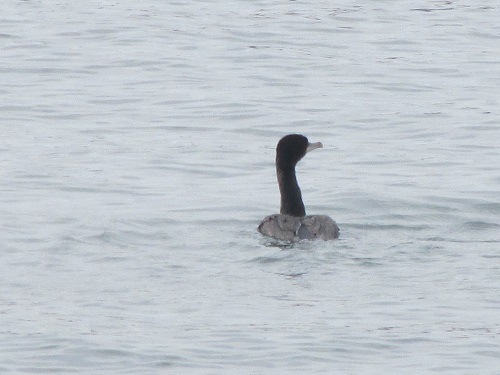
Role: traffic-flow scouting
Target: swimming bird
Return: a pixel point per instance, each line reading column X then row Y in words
column 292, row 223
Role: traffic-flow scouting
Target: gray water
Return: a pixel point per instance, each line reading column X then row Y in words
column 136, row 158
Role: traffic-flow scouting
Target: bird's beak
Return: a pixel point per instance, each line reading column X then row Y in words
column 313, row 146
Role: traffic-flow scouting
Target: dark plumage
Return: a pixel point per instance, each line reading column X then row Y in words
column 292, row 223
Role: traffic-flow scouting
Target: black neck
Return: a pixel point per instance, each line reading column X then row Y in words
column 291, row 197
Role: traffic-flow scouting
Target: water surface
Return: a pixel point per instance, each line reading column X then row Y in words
column 137, row 161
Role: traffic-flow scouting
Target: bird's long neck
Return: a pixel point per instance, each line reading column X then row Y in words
column 291, row 197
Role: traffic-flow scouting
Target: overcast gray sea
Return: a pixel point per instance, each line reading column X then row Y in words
column 137, row 159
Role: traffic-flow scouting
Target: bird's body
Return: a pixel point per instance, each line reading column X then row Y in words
column 293, row 228
column 292, row 223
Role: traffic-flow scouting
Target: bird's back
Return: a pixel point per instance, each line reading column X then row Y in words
column 291, row 228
